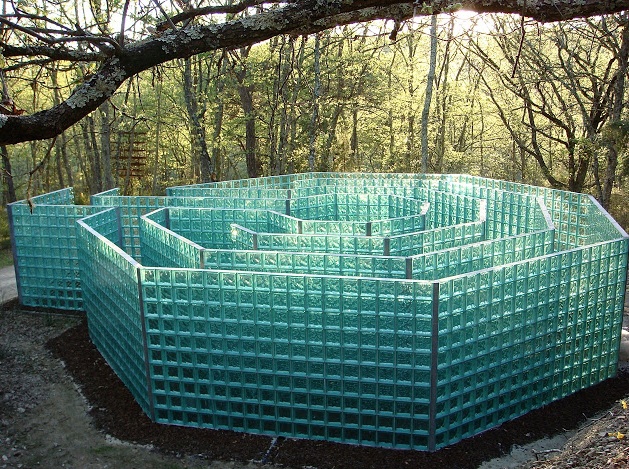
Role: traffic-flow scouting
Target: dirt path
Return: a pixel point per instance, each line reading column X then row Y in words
column 8, row 288
column 43, row 417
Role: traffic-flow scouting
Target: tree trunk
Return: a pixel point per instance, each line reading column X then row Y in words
column 429, row 86
column 61, row 143
column 58, row 164
column 82, row 159
column 7, row 177
column 326, row 162
column 273, row 103
column 293, row 107
column 316, row 92
column 105, row 146
column 410, row 129
column 254, row 168
column 353, row 143
column 218, row 122
column 65, row 159
column 615, row 118
column 442, row 84
column 288, row 104
column 158, row 128
column 195, row 115
column 390, row 160
column 130, row 142
column 245, row 91
column 89, row 157
column 90, row 136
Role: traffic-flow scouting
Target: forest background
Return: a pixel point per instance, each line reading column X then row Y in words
column 493, row 95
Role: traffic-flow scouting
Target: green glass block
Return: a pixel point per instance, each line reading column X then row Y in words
column 114, row 317
column 339, row 301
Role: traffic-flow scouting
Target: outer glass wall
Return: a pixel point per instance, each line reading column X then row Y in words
column 407, row 311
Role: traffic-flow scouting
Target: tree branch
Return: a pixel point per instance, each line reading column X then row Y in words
column 22, row 14
column 169, row 22
column 209, row 10
column 29, row 63
column 10, row 51
column 296, row 16
column 71, row 36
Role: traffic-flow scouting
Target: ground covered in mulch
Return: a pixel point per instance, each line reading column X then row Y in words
column 115, row 412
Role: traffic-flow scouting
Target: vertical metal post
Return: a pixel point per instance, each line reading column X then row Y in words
column 120, row 233
column 552, row 242
column 483, row 218
column 147, row 368
column 434, row 363
column 409, row 267
column 387, row 246
column 625, row 241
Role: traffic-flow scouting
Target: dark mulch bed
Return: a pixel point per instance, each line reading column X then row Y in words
column 115, row 412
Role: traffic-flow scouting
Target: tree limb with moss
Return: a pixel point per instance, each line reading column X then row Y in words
column 179, row 34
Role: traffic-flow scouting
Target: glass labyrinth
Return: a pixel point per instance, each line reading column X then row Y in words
column 396, row 310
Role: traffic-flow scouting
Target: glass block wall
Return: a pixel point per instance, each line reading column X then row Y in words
column 111, row 287
column 45, row 251
column 397, row 310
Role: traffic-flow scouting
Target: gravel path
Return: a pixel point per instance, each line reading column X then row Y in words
column 8, row 288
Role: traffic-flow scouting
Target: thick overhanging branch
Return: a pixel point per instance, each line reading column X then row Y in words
column 300, row 16
column 544, row 11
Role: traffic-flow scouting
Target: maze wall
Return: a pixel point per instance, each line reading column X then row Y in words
column 397, row 310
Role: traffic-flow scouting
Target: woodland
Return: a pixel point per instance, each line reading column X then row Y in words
column 154, row 93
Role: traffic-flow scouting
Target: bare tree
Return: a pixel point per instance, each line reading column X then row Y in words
column 562, row 88
column 38, row 40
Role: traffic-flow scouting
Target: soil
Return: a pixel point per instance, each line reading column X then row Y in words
column 62, row 406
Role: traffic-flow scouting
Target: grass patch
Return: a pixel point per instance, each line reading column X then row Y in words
column 6, row 257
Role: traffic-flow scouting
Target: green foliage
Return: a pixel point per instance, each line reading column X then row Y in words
column 368, row 112
column 6, row 257
column 619, row 209
column 5, row 236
